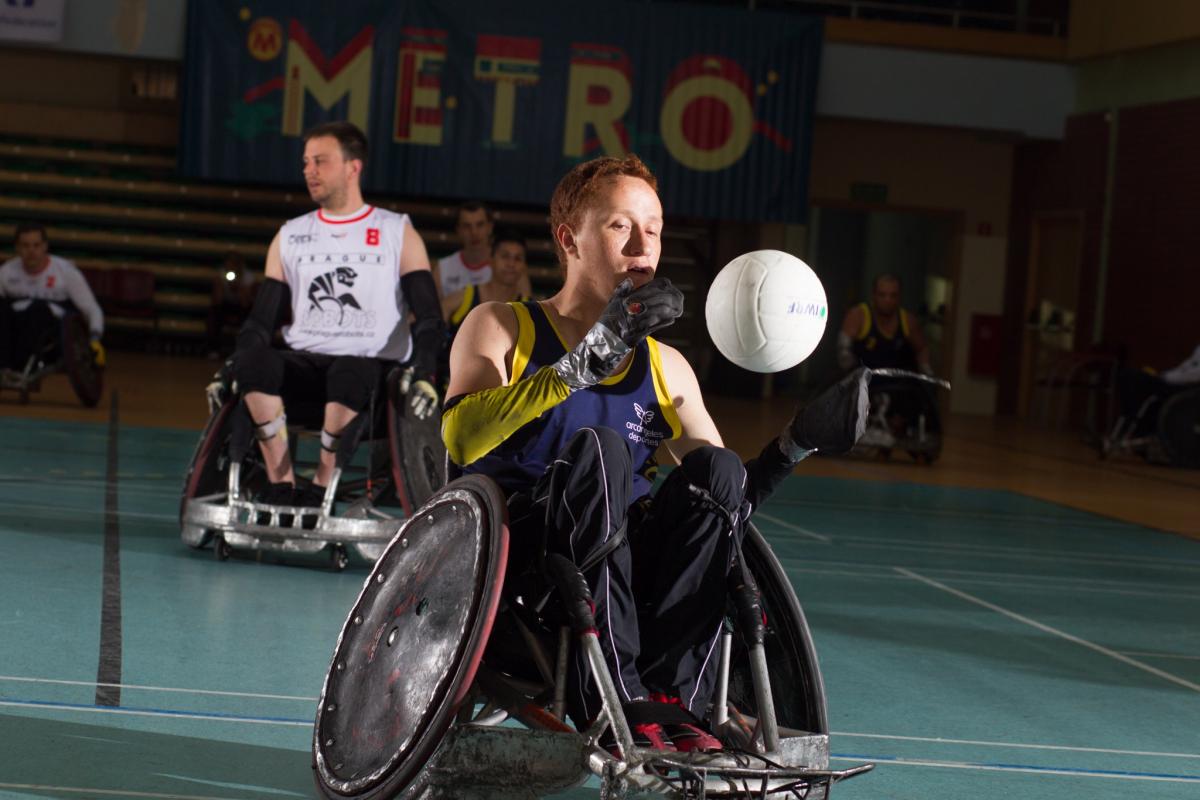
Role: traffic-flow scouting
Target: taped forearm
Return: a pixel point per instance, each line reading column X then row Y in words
column 845, row 353
column 81, row 295
column 481, row 421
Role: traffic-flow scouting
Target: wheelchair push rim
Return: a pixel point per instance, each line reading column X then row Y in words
column 409, row 649
column 79, row 362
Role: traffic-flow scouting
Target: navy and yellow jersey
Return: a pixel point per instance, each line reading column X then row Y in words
column 470, row 299
column 877, row 351
column 635, row 403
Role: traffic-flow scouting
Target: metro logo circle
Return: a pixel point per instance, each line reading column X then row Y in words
column 265, row 39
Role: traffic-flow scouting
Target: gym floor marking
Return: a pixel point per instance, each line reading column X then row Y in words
column 1051, row 630
column 905, row 659
column 820, row 537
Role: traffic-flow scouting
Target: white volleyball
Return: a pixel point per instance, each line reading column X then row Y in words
column 766, row 311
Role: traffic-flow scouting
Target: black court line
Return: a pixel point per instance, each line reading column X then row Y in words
column 108, row 672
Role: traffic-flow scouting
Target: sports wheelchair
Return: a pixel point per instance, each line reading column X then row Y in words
column 404, row 465
column 1166, row 432
column 904, row 416
column 447, row 681
column 65, row 349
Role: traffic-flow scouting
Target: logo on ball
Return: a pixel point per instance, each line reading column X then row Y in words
column 634, row 307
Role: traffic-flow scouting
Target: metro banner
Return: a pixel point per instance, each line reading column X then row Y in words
column 463, row 99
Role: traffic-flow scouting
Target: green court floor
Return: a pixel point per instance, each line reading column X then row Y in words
column 973, row 643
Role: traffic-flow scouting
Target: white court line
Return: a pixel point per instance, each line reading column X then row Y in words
column 820, row 537
column 1015, row 585
column 19, row 679
column 1034, row 555
column 1070, row 773
column 1051, row 581
column 1160, row 655
column 1055, row 631
column 138, row 712
column 38, row 787
column 11, row 509
column 1015, row 549
column 1019, row 745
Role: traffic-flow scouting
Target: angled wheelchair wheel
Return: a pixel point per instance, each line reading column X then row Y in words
column 410, row 647
column 208, row 471
column 797, row 687
column 417, row 454
column 79, row 362
column 1179, row 428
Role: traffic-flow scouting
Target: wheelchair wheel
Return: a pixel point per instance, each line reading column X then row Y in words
column 408, row 651
column 799, row 691
column 208, row 472
column 1179, row 428
column 79, row 362
column 418, row 456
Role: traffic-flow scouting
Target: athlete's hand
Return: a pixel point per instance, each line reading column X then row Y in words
column 98, row 354
column 833, row 422
column 420, row 396
column 630, row 316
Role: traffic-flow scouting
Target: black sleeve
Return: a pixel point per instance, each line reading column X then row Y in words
column 272, row 306
column 429, row 330
column 765, row 472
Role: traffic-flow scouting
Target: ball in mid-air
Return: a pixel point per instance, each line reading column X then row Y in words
column 766, row 311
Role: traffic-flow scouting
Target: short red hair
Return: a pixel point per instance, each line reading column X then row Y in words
column 577, row 188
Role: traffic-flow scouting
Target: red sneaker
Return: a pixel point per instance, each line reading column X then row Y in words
column 648, row 735
column 687, row 737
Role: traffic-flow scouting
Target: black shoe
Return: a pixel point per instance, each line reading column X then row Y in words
column 276, row 494
column 309, row 496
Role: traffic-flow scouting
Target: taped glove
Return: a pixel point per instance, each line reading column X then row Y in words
column 630, row 316
column 833, row 422
column 420, row 395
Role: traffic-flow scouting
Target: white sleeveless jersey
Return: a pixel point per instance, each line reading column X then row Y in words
column 456, row 274
column 344, row 273
column 58, row 283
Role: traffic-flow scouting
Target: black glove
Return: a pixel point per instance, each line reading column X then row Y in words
column 630, row 316
column 833, row 422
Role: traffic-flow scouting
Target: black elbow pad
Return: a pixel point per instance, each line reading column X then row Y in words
column 272, row 307
column 429, row 329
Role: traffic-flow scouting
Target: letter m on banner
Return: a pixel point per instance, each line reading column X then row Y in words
column 348, row 74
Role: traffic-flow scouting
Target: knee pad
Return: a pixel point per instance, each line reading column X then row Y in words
column 719, row 472
column 258, row 369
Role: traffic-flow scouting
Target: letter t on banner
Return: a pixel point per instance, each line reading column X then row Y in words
column 508, row 62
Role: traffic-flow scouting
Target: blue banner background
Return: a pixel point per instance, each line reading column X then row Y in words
column 241, row 55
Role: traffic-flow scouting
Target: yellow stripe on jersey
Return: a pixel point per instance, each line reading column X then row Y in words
column 460, row 313
column 524, row 348
column 865, row 328
column 660, row 389
column 904, row 322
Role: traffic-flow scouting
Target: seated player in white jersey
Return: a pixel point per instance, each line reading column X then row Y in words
column 349, row 275
column 509, row 271
column 564, row 403
column 37, row 290
column 471, row 265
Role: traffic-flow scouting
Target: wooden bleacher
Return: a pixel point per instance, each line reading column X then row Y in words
column 113, row 209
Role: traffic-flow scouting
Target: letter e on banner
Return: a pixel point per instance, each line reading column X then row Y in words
column 419, row 87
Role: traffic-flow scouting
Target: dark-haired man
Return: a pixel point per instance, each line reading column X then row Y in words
column 508, row 272
column 563, row 402
column 348, row 275
column 471, row 265
column 36, row 290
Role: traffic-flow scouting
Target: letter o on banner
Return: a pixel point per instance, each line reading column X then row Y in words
column 707, row 122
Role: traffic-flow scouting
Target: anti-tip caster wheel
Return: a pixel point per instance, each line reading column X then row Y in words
column 221, row 548
column 339, row 559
